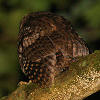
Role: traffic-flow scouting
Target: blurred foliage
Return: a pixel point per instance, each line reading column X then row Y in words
column 84, row 15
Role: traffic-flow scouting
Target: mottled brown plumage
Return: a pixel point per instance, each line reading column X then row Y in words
column 47, row 44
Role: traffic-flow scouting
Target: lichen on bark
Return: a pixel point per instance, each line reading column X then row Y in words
column 81, row 80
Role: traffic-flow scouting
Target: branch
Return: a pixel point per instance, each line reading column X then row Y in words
column 81, row 80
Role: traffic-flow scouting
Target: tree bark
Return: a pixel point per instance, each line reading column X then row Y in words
column 79, row 81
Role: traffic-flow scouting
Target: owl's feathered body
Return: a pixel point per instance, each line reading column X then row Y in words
column 47, row 44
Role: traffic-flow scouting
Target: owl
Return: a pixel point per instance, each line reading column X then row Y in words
column 47, row 44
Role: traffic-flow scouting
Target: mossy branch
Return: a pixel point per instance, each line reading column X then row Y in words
column 81, row 80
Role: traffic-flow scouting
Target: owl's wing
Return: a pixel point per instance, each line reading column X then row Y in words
column 42, row 47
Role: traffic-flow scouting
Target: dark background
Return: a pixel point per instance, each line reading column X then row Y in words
column 84, row 15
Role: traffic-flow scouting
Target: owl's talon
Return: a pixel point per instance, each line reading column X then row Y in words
column 22, row 83
column 30, row 81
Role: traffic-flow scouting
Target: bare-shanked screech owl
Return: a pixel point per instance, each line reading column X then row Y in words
column 47, row 44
